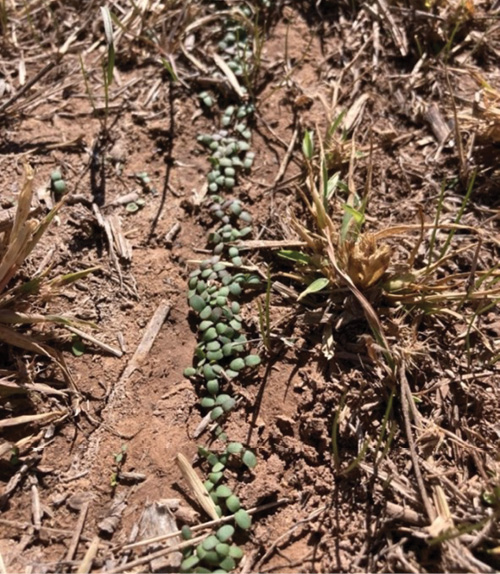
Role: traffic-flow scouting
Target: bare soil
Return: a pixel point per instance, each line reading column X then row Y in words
column 317, row 60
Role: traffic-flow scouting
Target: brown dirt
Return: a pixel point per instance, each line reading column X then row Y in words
column 369, row 519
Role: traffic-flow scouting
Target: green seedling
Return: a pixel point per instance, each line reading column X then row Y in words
column 109, row 66
column 77, row 346
column 58, row 185
column 145, row 182
column 119, row 461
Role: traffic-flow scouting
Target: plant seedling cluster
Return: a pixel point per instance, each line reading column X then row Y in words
column 57, row 184
column 214, row 551
column 214, row 291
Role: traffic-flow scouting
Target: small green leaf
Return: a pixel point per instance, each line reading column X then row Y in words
column 59, row 187
column 213, row 386
column 208, row 372
column 210, row 542
column 223, row 491
column 216, row 413
column 358, row 217
column 234, row 447
column 204, row 325
column 336, row 123
column 221, row 399
column 212, row 558
column 132, row 207
column 222, row 549
column 215, row 477
column 218, row 467
column 210, row 334
column 206, row 312
column 169, row 69
column 236, row 552
column 314, row 287
column 187, row 533
column 228, row 404
column 249, row 459
column 108, row 25
column 243, row 519
column 296, row 256
column 227, row 564
column 233, row 503
column 252, row 360
column 215, row 355
column 201, row 553
column 307, row 145
column 77, row 347
column 237, row 364
column 225, row 532
column 235, row 289
column 197, row 303
column 207, row 402
column 332, row 185
column 189, row 563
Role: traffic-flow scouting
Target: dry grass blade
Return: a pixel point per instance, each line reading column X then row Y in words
column 16, row 252
column 444, row 519
column 231, row 78
column 25, row 342
column 42, row 418
column 8, row 387
column 201, row 493
column 268, row 244
column 24, row 202
column 368, row 310
column 86, row 564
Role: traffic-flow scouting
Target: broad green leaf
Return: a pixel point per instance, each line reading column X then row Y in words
column 314, row 287
column 296, row 256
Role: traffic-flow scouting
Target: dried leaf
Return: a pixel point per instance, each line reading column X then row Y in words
column 26, row 419
column 198, row 488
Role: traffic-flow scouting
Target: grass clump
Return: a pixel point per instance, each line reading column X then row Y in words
column 20, row 296
column 340, row 255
